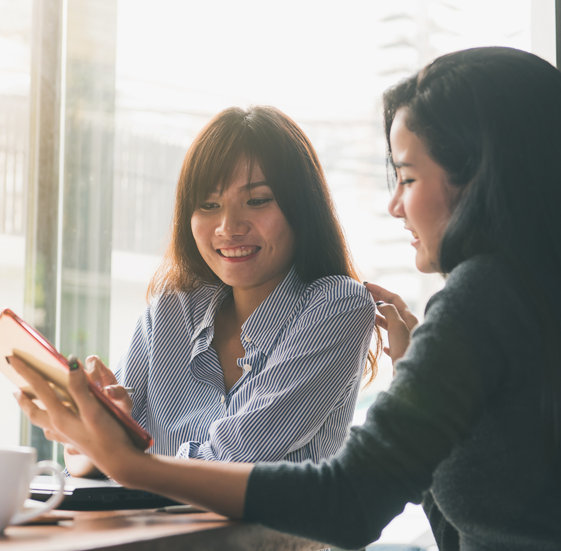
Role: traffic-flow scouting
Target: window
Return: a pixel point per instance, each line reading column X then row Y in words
column 90, row 153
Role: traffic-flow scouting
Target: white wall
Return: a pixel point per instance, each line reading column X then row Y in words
column 543, row 29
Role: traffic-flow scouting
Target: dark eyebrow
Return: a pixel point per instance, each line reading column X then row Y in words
column 400, row 165
column 249, row 186
column 253, row 185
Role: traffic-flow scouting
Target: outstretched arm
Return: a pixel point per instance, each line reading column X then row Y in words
column 93, row 432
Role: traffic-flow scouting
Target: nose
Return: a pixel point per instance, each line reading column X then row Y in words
column 395, row 206
column 232, row 223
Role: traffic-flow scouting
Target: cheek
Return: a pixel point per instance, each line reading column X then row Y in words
column 288, row 243
column 199, row 230
column 426, row 213
column 279, row 231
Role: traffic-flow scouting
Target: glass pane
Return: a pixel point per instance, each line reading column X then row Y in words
column 88, row 178
column 15, row 31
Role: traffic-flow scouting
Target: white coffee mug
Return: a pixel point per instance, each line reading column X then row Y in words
column 18, row 467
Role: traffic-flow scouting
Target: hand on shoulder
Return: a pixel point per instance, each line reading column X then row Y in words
column 395, row 317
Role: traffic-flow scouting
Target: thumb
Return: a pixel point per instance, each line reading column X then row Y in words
column 398, row 332
column 115, row 392
column 78, row 384
column 389, row 311
column 119, row 396
column 98, row 373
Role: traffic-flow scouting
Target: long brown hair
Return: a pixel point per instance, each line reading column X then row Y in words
column 266, row 136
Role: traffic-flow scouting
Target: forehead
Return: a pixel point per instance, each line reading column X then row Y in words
column 241, row 179
column 406, row 146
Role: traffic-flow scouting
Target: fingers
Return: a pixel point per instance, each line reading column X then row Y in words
column 381, row 294
column 98, row 373
column 398, row 331
column 42, row 389
column 78, row 389
column 36, row 415
column 120, row 396
column 390, row 313
column 410, row 320
column 51, row 435
column 71, row 450
column 102, row 377
column 381, row 322
column 115, row 392
column 40, row 418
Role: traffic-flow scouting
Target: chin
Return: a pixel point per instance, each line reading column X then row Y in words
column 426, row 266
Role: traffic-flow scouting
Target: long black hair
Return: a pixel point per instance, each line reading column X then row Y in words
column 491, row 117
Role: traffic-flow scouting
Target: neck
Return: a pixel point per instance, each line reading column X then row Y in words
column 247, row 299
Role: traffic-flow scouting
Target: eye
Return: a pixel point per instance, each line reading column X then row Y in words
column 208, row 206
column 257, row 202
column 406, row 182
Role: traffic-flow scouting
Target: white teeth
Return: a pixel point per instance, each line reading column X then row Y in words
column 232, row 253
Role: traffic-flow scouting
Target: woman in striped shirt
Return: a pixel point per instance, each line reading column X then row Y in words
column 258, row 332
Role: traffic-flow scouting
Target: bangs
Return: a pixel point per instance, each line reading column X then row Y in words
column 216, row 162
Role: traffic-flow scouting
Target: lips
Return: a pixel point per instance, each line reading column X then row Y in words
column 414, row 233
column 415, row 241
column 238, row 252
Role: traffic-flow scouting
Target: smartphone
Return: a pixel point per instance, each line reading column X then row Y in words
column 17, row 338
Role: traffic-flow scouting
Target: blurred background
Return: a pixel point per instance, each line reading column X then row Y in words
column 100, row 99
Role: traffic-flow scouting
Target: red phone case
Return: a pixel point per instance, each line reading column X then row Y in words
column 141, row 438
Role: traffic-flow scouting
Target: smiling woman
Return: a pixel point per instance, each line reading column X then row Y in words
column 256, row 319
column 242, row 234
column 423, row 196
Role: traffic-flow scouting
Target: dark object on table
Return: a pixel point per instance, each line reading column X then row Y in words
column 85, row 494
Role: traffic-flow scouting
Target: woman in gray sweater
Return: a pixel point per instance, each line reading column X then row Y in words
column 471, row 423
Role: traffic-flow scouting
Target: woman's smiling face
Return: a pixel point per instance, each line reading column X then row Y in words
column 423, row 195
column 242, row 233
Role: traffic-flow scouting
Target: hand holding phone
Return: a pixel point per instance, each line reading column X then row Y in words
column 19, row 339
column 102, row 377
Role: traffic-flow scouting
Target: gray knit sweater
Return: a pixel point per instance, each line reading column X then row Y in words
column 460, row 425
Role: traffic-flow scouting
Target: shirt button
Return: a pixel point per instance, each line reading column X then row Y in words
column 247, row 339
column 222, row 399
column 247, row 367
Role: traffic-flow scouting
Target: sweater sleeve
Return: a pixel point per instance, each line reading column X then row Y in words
column 457, row 359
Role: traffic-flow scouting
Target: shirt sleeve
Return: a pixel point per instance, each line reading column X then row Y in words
column 455, row 362
column 132, row 369
column 305, row 380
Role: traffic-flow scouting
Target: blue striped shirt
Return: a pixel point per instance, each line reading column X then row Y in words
column 305, row 350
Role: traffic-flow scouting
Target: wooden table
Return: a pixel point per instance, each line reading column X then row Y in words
column 148, row 530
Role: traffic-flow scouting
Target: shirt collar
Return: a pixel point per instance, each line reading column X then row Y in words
column 264, row 325
column 221, row 292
